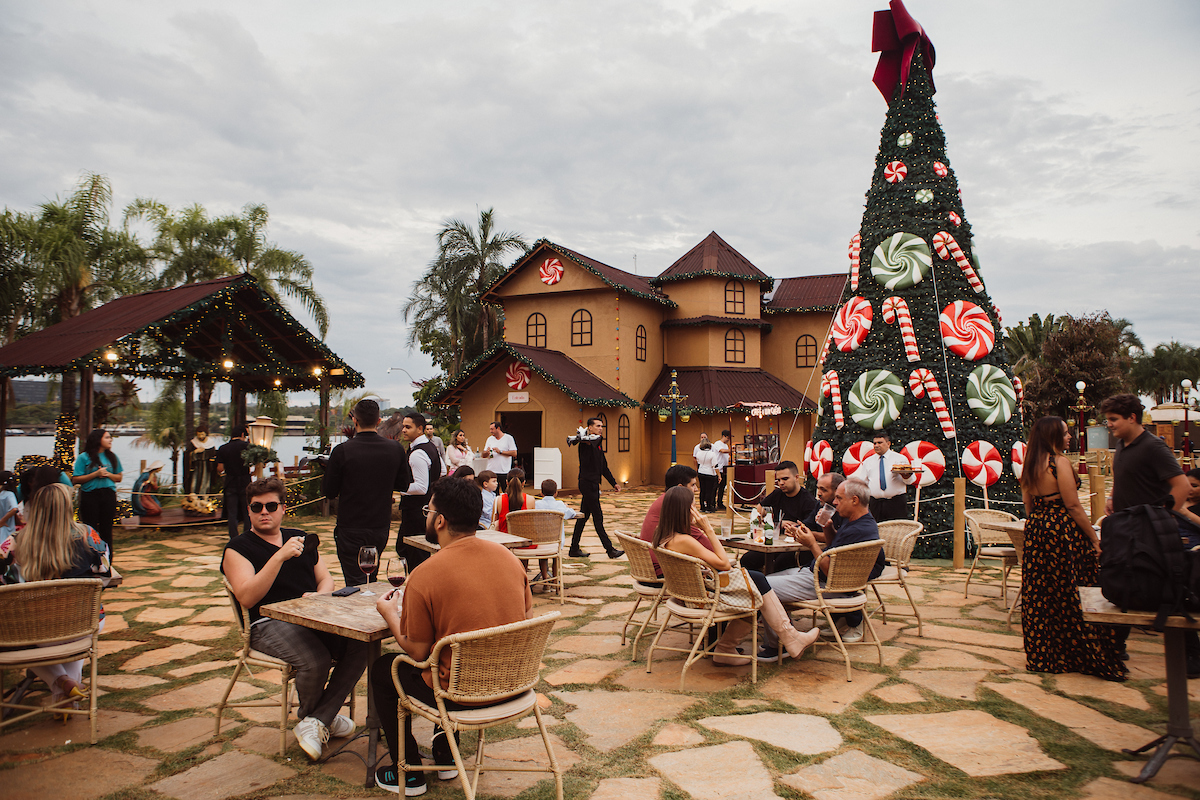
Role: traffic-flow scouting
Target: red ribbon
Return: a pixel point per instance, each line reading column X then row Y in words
column 896, row 36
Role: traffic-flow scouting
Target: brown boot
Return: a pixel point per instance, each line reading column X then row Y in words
column 793, row 640
column 726, row 649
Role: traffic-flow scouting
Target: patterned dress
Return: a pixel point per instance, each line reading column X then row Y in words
column 1057, row 558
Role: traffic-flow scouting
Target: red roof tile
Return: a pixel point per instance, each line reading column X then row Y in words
column 616, row 278
column 710, row 319
column 711, row 390
column 807, row 293
column 557, row 368
column 713, row 256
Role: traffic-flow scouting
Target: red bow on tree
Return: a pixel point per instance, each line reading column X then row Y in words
column 896, row 36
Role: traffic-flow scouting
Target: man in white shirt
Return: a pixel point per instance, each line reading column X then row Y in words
column 723, row 457
column 426, row 468
column 889, row 492
column 499, row 450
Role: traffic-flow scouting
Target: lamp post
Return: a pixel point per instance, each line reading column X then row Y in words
column 675, row 399
column 1186, row 444
column 1081, row 407
column 262, row 433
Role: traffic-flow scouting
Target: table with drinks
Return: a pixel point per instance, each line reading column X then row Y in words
column 507, row 539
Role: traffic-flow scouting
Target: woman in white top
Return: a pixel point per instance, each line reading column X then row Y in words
column 459, row 452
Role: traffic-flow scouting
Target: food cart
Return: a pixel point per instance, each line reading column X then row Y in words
column 757, row 453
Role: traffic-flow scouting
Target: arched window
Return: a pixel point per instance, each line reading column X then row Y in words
column 623, row 434
column 639, row 341
column 735, row 347
column 535, row 330
column 581, row 328
column 806, row 352
column 603, row 436
column 735, row 298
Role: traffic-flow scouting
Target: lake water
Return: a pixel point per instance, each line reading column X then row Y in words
column 288, row 448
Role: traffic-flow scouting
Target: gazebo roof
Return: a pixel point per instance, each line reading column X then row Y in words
column 712, row 390
column 186, row 331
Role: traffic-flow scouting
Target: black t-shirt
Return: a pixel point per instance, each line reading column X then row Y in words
column 794, row 509
column 363, row 471
column 1142, row 471
column 237, row 471
column 296, row 576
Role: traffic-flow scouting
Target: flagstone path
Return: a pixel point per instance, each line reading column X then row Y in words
column 952, row 713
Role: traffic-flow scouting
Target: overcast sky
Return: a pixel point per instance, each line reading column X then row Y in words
column 622, row 129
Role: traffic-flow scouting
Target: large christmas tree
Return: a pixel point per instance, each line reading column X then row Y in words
column 915, row 348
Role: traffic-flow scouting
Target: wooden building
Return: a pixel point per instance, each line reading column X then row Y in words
column 585, row 339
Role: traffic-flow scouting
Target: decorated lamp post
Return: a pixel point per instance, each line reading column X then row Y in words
column 1186, row 444
column 675, row 400
column 1081, row 408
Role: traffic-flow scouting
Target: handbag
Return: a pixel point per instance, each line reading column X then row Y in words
column 740, row 595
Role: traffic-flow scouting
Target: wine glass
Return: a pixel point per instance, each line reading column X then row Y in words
column 368, row 560
column 397, row 571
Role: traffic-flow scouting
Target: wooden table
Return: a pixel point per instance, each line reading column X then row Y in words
column 113, row 579
column 1007, row 526
column 769, row 551
column 507, row 539
column 1179, row 726
column 353, row 617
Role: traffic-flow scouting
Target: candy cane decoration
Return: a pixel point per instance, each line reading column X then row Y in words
column 1020, row 387
column 999, row 321
column 825, row 351
column 948, row 248
column 855, row 249
column 833, row 390
column 921, row 381
column 895, row 308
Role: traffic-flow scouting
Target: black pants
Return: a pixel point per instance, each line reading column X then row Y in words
column 97, row 508
column 708, row 492
column 758, row 561
column 589, row 506
column 412, row 523
column 349, row 541
column 236, row 511
column 724, row 482
column 886, row 508
column 387, row 705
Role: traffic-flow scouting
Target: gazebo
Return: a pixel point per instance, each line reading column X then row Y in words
column 227, row 330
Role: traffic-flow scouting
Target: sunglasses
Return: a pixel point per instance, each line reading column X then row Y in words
column 271, row 508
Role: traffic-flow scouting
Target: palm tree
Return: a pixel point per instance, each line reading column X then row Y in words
column 1159, row 372
column 1025, row 342
column 447, row 296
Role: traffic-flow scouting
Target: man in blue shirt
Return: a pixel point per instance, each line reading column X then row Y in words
column 799, row 583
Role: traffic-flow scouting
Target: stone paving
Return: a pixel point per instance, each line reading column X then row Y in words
column 952, row 713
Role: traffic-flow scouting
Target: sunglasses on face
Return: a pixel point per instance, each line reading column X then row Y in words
column 271, row 508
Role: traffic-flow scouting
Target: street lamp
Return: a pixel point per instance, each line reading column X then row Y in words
column 675, row 399
column 1081, row 407
column 262, row 432
column 1186, row 444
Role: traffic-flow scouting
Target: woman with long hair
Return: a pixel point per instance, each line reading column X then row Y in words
column 98, row 471
column 458, row 452
column 674, row 533
column 1061, row 552
column 53, row 545
column 513, row 499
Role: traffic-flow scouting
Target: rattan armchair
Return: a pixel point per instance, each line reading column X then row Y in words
column 899, row 537
column 46, row 623
column 248, row 658
column 693, row 600
column 846, row 579
column 991, row 543
column 646, row 583
column 497, row 666
column 543, row 527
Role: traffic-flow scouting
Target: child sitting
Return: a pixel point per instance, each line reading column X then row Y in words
column 550, row 502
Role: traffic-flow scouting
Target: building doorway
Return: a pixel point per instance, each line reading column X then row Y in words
column 526, row 428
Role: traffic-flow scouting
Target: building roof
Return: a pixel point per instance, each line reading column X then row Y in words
column 713, row 257
column 556, row 368
column 621, row 280
column 807, row 293
column 709, row 319
column 197, row 327
column 711, row 390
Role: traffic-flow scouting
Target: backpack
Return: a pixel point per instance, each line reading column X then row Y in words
column 1145, row 566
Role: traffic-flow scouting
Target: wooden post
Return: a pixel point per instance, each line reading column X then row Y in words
column 960, row 521
column 323, row 412
column 86, row 402
column 1096, row 487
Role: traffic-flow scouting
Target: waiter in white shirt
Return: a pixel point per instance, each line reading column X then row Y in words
column 426, row 468
column 889, row 491
column 499, row 450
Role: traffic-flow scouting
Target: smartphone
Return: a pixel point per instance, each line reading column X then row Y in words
column 345, row 591
column 311, row 542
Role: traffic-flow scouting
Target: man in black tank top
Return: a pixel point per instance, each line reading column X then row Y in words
column 426, row 468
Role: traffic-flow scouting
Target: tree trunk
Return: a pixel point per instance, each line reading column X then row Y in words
column 206, row 391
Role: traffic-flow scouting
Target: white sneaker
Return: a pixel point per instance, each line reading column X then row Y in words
column 312, row 735
column 342, row 726
column 849, row 635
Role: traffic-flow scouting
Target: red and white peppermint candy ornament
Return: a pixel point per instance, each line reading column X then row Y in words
column 851, row 324
column 855, row 455
column 518, row 376
column 955, row 218
column 551, row 271
column 967, row 330
column 940, row 169
column 981, row 463
column 927, row 456
column 1018, row 459
column 895, row 172
column 820, row 461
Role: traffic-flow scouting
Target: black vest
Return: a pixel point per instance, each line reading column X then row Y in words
column 411, row 518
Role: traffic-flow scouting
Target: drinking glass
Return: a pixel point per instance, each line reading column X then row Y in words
column 824, row 514
column 368, row 560
column 397, row 571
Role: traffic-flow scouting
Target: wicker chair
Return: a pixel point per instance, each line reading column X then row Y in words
column 494, row 665
column 544, row 528
column 849, row 574
column 249, row 657
column 1018, row 542
column 46, row 623
column 899, row 537
column 695, row 601
column 641, row 569
column 991, row 543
